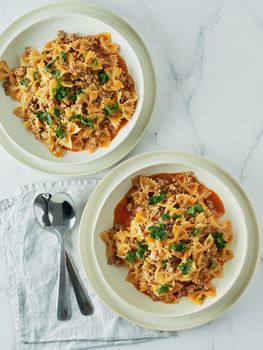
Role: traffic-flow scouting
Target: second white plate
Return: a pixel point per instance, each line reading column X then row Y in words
column 109, row 282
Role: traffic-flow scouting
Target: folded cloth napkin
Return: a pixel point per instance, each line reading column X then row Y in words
column 31, row 259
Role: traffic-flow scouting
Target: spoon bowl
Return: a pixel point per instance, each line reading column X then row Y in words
column 61, row 213
column 40, row 210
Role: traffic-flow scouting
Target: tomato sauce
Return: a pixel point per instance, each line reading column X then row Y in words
column 216, row 202
column 122, row 216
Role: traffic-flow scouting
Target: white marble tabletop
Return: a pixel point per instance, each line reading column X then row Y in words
column 208, row 57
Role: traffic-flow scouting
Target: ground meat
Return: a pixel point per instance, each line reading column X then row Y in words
column 70, row 38
column 20, row 71
column 111, row 260
column 61, row 35
column 78, row 69
column 91, row 144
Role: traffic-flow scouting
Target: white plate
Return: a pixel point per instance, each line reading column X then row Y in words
column 38, row 27
column 109, row 281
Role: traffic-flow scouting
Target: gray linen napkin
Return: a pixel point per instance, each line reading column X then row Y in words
column 31, row 259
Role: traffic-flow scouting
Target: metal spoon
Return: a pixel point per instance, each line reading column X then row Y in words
column 62, row 216
column 41, row 214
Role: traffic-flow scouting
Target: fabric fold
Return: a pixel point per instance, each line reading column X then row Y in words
column 31, row 259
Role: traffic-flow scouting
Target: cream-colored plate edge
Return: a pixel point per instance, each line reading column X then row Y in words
column 172, row 323
column 149, row 85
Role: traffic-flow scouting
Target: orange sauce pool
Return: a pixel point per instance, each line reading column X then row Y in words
column 123, row 217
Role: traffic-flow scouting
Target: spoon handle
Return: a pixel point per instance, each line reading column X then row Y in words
column 83, row 300
column 62, row 304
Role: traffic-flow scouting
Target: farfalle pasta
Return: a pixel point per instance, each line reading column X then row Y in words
column 74, row 95
column 168, row 231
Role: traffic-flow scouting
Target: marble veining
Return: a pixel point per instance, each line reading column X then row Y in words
column 249, row 154
column 208, row 57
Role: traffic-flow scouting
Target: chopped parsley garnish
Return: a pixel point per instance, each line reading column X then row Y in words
column 186, row 267
column 130, row 256
column 195, row 209
column 60, row 91
column 77, row 93
column 195, row 231
column 109, row 110
column 142, row 248
column 45, row 116
column 63, row 56
column 103, row 77
column 164, row 288
column 57, row 113
column 164, row 264
column 60, row 133
column 85, row 121
column 158, row 198
column 48, row 65
column 158, row 232
column 219, row 240
column 56, row 73
column 24, row 82
column 177, row 216
column 178, row 247
column 165, row 216
column 95, row 62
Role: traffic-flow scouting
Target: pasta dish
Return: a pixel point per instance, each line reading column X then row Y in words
column 74, row 95
column 168, row 231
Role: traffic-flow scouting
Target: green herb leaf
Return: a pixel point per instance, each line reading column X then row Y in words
column 109, row 110
column 63, row 56
column 85, row 121
column 76, row 95
column 186, row 267
column 164, row 264
column 142, row 248
column 60, row 91
column 158, row 198
column 195, row 209
column 56, row 73
column 45, row 116
column 57, row 113
column 48, row 119
column 60, row 133
column 24, row 82
column 103, row 77
column 130, row 257
column 164, row 288
column 195, row 231
column 158, row 232
column 48, row 65
column 165, row 216
column 40, row 115
column 177, row 216
column 179, row 247
column 95, row 62
column 219, row 240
